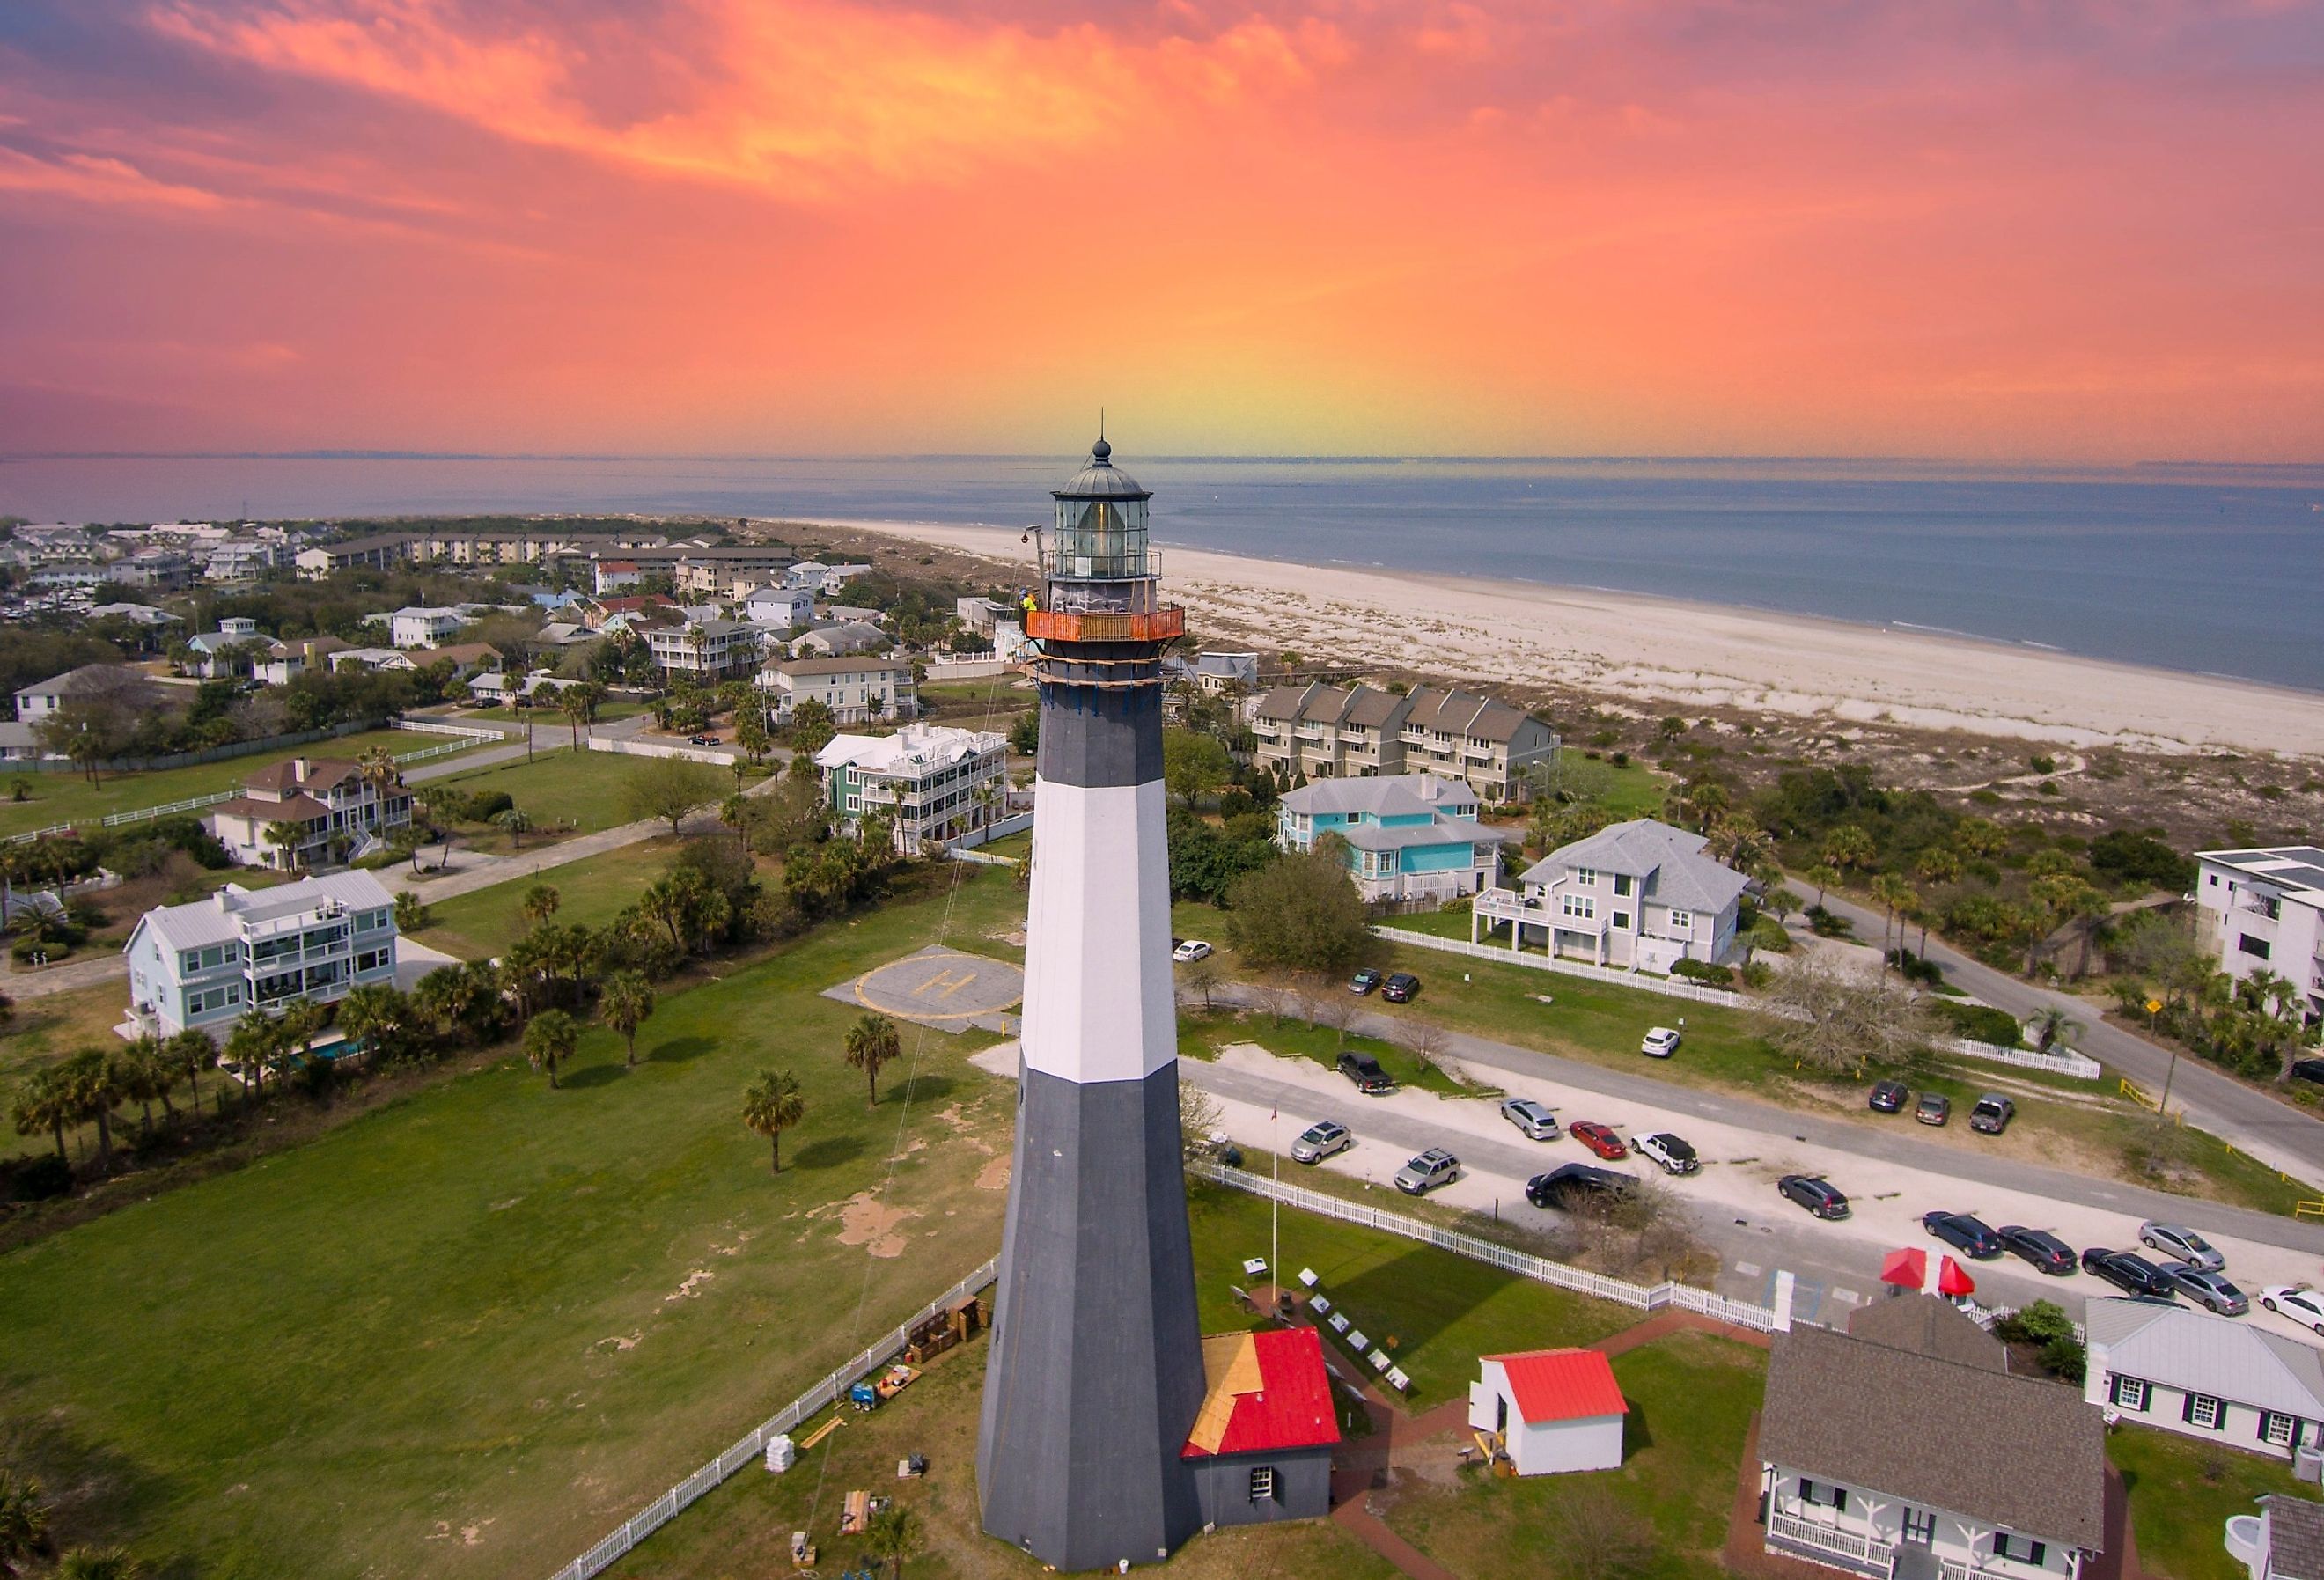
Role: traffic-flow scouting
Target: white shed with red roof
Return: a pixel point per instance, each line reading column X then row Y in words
column 1552, row 1409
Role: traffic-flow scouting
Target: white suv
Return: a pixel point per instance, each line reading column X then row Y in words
column 1660, row 1043
column 1675, row 1156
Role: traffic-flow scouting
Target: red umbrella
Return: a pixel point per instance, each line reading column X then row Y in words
column 1951, row 1281
column 1907, row 1270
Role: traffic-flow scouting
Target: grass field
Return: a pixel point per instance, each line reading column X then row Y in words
column 1201, row 1034
column 465, row 1334
column 2181, row 1493
column 46, row 1029
column 1441, row 1311
column 67, row 797
column 478, row 925
column 2085, row 1127
column 1690, row 1397
column 543, row 717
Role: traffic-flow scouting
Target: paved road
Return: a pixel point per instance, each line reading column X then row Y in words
column 2274, row 1132
column 1831, row 1267
column 1892, row 1145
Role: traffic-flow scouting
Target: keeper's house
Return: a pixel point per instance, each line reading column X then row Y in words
column 1904, row 1449
column 2204, row 1376
column 1261, row 1447
column 204, row 965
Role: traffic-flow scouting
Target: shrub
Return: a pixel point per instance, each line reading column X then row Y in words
column 1979, row 1022
column 1621, row 759
column 2065, row 1359
column 1915, row 968
column 1824, row 924
column 1703, row 971
column 486, row 805
column 1757, row 974
column 40, row 1178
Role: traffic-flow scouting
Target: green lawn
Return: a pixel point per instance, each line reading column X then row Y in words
column 2181, row 1493
column 1202, row 1034
column 1016, row 846
column 467, row 1334
column 561, row 786
column 1690, row 1400
column 67, row 798
column 543, row 717
column 480, row 924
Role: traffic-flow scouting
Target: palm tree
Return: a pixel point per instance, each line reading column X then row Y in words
column 379, row 1015
column 24, row 1520
column 44, row 1103
column 743, row 814
column 890, row 1535
column 1822, row 877
column 872, row 1043
column 550, row 1039
column 1937, row 866
column 518, row 822
column 627, row 1004
column 377, row 769
column 147, row 1073
column 578, row 706
column 1894, row 895
column 541, row 903
column 1848, row 847
column 285, row 836
column 99, row 1564
column 772, row 1105
column 92, row 1080
column 2050, row 1025
column 410, row 912
column 192, row 1052
column 254, row 1043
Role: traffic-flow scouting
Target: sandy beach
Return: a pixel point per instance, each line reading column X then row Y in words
column 1658, row 652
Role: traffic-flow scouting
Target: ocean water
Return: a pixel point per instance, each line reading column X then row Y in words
column 2213, row 569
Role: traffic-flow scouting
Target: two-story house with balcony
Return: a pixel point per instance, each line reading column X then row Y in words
column 416, row 626
column 936, row 782
column 204, row 965
column 1904, row 1450
column 235, row 648
column 857, row 690
column 335, row 807
column 1640, row 895
column 2262, row 910
column 1407, row 836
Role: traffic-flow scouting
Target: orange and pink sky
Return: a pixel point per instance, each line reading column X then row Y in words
column 2087, row 230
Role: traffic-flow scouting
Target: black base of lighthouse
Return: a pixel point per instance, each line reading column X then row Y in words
column 1078, row 1453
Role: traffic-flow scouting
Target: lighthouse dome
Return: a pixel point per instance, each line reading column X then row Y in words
column 1102, row 479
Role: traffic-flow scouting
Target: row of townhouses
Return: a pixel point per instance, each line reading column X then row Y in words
column 1357, row 732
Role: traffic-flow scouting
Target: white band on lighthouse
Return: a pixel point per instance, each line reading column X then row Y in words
column 1097, row 991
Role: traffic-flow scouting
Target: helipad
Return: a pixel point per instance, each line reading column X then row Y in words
column 940, row 987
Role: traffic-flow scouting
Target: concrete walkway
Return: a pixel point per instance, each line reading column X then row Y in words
column 2246, row 1118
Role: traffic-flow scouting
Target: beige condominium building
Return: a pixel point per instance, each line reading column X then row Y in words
column 1361, row 732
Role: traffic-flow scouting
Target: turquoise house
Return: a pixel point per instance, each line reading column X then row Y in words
column 1409, row 835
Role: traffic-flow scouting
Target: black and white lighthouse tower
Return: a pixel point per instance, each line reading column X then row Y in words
column 1096, row 1373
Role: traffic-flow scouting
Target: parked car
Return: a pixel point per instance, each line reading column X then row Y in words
column 702, row 740
column 1574, row 1182
column 1659, row 1043
column 1365, row 1071
column 1363, row 981
column 2129, row 1271
column 1320, row 1140
column 2207, row 1288
column 1600, row 1138
column 1889, row 1096
column 2044, row 1250
column 1964, row 1234
column 1534, row 1119
column 1818, row 1195
column 1992, row 1115
column 2308, row 1069
column 1400, row 988
column 1933, row 1108
column 1192, row 950
column 2297, row 1301
column 1424, row 1173
column 2180, row 1244
column 1674, row 1155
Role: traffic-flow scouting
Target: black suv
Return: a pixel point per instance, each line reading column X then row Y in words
column 1968, row 1235
column 2130, row 1273
column 2040, row 1247
column 1818, row 1195
column 1889, row 1096
column 1575, row 1182
column 1400, row 987
column 1365, row 1071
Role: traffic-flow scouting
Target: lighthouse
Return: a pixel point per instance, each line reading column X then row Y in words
column 1095, row 1374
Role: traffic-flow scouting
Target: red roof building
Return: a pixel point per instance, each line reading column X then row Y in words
column 1266, row 1391
column 1562, row 1385
column 1551, row 1411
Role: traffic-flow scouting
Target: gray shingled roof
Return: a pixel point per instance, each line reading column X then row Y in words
column 1927, row 1326
column 2193, row 1349
column 1388, row 795
column 2021, row 1452
column 2295, row 1538
column 1451, row 831
column 1642, row 848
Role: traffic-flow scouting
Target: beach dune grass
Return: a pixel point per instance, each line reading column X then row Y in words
column 469, row 1332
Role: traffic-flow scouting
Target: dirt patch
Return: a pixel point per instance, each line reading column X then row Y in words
column 994, row 1175
column 865, row 1221
column 692, row 1287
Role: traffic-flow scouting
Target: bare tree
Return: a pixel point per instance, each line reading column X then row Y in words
column 1199, row 1115
column 1598, row 1537
column 1202, row 977
column 1427, row 1041
column 1336, row 1012
column 1835, row 1022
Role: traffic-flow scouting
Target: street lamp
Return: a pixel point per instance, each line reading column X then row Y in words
column 2154, row 1008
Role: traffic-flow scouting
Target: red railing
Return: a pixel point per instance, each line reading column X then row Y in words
column 1163, row 625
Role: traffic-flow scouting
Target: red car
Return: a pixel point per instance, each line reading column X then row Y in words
column 1600, row 1138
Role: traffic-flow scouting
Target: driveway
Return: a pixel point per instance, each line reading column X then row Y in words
column 2277, row 1134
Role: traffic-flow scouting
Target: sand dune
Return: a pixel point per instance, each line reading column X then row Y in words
column 1661, row 652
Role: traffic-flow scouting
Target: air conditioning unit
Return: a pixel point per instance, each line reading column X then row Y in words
column 2307, row 1465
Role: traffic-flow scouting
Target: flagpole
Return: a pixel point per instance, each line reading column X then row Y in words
column 1275, row 1202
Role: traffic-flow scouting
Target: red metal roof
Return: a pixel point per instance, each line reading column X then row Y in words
column 1562, row 1385
column 1291, row 1408
column 1953, row 1281
column 1908, row 1268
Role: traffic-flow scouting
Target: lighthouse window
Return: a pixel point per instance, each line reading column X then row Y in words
column 1262, row 1483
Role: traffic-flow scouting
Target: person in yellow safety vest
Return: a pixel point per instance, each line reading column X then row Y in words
column 1031, row 604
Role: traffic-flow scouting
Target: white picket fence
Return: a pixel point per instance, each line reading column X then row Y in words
column 428, row 726
column 2080, row 1066
column 1676, row 987
column 1540, row 1268
column 192, row 804
column 717, row 757
column 747, row 1450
